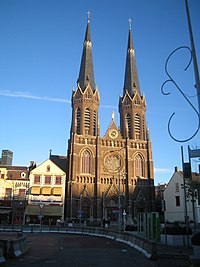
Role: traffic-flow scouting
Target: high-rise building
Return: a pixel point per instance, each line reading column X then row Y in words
column 112, row 174
column 6, row 157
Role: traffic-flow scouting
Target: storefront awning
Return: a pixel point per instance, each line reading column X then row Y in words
column 46, row 190
column 49, row 210
column 35, row 190
column 5, row 211
column 57, row 191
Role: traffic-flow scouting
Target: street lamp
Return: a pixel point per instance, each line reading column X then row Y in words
column 118, row 167
column 80, row 209
column 119, row 211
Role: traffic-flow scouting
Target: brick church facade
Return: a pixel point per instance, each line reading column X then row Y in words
column 111, row 174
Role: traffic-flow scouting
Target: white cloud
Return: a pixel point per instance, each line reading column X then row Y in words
column 28, row 95
column 42, row 98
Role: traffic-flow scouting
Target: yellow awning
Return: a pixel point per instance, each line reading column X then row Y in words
column 57, row 191
column 35, row 190
column 46, row 191
column 48, row 210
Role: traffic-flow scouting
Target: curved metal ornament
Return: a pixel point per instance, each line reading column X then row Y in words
column 182, row 93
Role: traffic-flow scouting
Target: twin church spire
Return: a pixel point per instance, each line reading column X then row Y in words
column 86, row 74
column 85, row 100
column 131, row 82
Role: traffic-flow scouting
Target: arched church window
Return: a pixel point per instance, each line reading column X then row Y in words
column 137, row 101
column 78, row 121
column 95, row 123
column 128, row 124
column 139, row 166
column 88, row 94
column 87, row 121
column 86, row 161
column 137, row 126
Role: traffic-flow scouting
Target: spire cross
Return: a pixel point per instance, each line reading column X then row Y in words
column 130, row 23
column 113, row 115
column 89, row 13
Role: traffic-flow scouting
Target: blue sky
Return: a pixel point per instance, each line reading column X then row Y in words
column 41, row 44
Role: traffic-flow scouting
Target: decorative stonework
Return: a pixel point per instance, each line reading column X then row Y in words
column 112, row 163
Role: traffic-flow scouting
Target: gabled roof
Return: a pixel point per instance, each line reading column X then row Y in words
column 60, row 161
column 111, row 127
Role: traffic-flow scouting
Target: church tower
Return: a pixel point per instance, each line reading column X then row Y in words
column 114, row 173
column 82, row 183
column 133, row 128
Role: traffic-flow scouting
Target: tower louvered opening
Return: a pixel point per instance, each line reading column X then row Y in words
column 128, row 124
column 137, row 126
column 78, row 121
column 87, row 121
column 95, row 123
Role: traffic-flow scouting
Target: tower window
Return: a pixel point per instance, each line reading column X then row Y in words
column 78, row 121
column 87, row 121
column 139, row 166
column 95, row 123
column 86, row 162
column 137, row 126
column 128, row 124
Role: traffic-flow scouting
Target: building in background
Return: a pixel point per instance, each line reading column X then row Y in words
column 14, row 183
column 46, row 198
column 6, row 157
column 111, row 174
column 174, row 198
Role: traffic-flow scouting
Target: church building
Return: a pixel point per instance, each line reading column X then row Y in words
column 112, row 175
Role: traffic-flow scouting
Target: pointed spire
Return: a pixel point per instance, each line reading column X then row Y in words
column 131, row 82
column 86, row 74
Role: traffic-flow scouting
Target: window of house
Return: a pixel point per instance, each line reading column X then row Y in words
column 8, row 193
column 47, row 179
column 2, row 175
column 22, row 193
column 58, row 179
column 48, row 168
column 177, row 198
column 176, row 187
column 37, row 179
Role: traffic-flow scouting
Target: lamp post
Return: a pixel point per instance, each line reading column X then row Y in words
column 119, row 210
column 80, row 209
column 118, row 171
